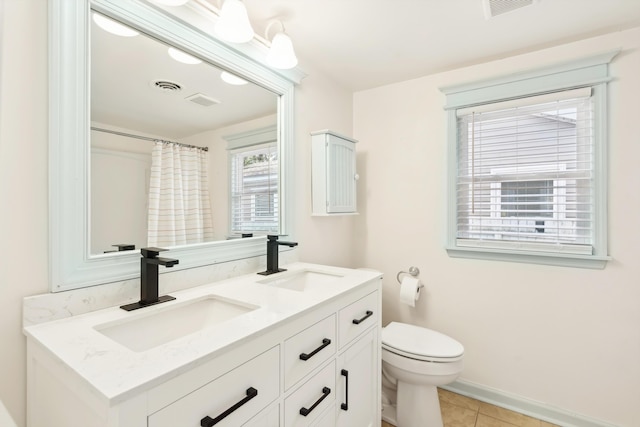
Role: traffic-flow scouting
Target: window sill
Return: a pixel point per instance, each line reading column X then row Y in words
column 529, row 257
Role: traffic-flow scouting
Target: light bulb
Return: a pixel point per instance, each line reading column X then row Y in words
column 185, row 58
column 232, row 79
column 113, row 27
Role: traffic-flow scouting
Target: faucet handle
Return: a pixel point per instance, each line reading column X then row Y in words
column 151, row 252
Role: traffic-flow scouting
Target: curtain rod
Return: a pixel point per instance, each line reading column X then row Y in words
column 146, row 138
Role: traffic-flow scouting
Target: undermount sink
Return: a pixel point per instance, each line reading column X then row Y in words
column 300, row 280
column 166, row 324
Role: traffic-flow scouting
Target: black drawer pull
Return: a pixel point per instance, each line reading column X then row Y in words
column 209, row 422
column 307, row 356
column 326, row 391
column 345, row 406
column 358, row 321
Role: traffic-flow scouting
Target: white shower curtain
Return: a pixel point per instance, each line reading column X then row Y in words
column 179, row 207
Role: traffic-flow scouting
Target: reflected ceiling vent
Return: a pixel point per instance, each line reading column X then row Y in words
column 493, row 8
column 166, row 86
column 203, row 100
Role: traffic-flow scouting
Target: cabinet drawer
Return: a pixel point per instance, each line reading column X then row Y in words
column 270, row 417
column 357, row 317
column 232, row 390
column 328, row 419
column 308, row 349
column 313, row 398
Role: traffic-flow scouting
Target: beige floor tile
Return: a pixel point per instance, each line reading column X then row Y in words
column 458, row 400
column 487, row 421
column 457, row 416
column 508, row 416
column 386, row 424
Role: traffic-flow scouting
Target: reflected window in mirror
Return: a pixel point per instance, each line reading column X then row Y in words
column 142, row 91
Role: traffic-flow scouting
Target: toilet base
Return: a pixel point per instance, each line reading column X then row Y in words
column 389, row 414
column 418, row 406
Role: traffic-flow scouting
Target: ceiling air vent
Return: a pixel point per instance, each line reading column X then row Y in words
column 166, row 86
column 203, row 100
column 493, row 8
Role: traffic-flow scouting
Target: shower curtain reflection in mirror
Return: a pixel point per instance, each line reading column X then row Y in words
column 179, row 211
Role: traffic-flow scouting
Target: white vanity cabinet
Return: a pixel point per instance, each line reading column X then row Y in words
column 319, row 367
column 333, row 174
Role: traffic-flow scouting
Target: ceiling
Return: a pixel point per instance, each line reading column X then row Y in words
column 368, row 43
column 359, row 44
column 124, row 95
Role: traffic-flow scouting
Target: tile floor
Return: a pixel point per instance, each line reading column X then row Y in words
column 462, row 411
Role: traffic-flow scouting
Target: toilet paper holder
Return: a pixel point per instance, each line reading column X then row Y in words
column 414, row 271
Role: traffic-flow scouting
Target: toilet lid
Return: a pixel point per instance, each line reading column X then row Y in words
column 418, row 341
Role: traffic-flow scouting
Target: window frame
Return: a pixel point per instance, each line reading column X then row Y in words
column 587, row 72
column 241, row 143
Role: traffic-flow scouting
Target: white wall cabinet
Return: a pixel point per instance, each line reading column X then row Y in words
column 289, row 376
column 333, row 174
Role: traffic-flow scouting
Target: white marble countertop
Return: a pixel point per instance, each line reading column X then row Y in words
column 117, row 373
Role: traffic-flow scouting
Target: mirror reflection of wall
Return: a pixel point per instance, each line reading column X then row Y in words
column 140, row 92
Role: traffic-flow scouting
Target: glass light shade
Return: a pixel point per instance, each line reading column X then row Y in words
column 233, row 24
column 232, row 79
column 113, row 27
column 185, row 58
column 281, row 54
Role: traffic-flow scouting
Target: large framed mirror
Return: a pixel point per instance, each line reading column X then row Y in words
column 112, row 99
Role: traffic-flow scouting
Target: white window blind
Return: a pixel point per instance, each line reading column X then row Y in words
column 254, row 189
column 525, row 174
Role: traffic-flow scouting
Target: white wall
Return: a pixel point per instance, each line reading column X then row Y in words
column 566, row 337
column 323, row 240
column 24, row 186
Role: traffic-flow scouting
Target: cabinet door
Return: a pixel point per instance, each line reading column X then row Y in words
column 358, row 382
column 341, row 175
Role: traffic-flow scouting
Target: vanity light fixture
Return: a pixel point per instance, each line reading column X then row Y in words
column 113, row 27
column 185, row 58
column 281, row 54
column 233, row 23
column 232, row 79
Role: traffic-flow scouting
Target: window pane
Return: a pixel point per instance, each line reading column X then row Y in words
column 527, row 199
column 526, row 174
column 254, row 189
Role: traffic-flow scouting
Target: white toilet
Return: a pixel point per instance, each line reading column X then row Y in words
column 415, row 361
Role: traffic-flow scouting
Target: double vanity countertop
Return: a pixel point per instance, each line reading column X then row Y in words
column 118, row 370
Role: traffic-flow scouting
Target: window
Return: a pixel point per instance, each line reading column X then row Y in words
column 527, row 199
column 254, row 189
column 527, row 164
column 525, row 173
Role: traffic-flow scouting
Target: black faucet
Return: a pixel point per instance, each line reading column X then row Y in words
column 149, row 279
column 272, row 254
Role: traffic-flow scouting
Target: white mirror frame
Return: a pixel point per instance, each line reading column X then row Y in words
column 70, row 264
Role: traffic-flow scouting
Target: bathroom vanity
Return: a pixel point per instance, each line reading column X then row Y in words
column 297, row 348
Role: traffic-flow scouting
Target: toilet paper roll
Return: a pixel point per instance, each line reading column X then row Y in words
column 409, row 290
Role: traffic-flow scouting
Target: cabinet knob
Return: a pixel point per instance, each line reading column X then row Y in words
column 356, row 177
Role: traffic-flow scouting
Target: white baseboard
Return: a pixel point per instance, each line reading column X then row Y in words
column 523, row 405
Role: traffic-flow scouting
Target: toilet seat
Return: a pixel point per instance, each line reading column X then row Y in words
column 420, row 343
